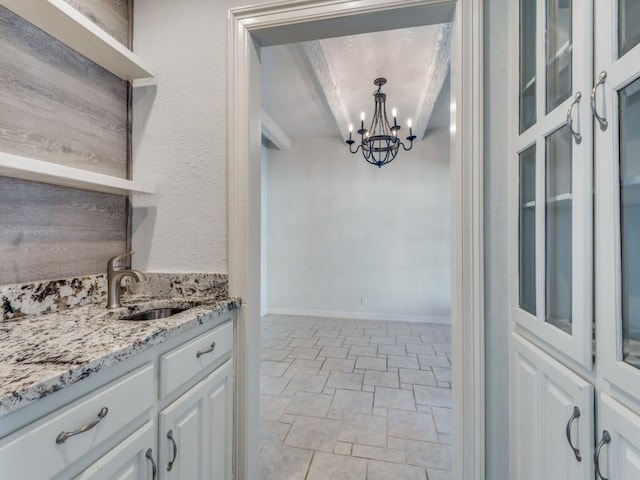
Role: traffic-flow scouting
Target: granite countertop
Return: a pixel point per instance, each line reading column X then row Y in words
column 41, row 354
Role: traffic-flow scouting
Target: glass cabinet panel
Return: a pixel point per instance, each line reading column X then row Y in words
column 558, row 228
column 527, row 64
column 559, row 52
column 629, row 98
column 527, row 230
column 628, row 25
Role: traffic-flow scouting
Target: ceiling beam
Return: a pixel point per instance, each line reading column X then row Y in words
column 274, row 133
column 435, row 79
column 324, row 81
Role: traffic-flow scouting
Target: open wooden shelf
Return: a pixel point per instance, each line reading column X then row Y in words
column 66, row 24
column 39, row 171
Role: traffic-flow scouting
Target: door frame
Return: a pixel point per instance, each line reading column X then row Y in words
column 243, row 146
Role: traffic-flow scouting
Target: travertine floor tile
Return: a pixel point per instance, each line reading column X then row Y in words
column 304, row 382
column 349, row 381
column 394, row 398
column 439, row 474
column 381, row 379
column 442, row 417
column 343, row 365
column 304, row 366
column 410, row 361
column 273, row 432
column 273, row 385
column 363, row 429
column 434, row 396
column 327, row 466
column 334, row 352
column 411, row 425
column 309, row 404
column 313, row 434
column 271, row 407
column 378, row 453
column 429, row 455
column 442, row 374
column 354, row 399
column 268, row 367
column 388, row 471
column 278, row 462
column 417, row 377
column 371, row 363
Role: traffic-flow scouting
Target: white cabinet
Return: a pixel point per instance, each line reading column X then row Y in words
column 575, row 110
column 617, row 227
column 551, row 145
column 118, row 428
column 196, row 430
column 72, row 432
column 618, row 450
column 552, row 417
column 133, row 459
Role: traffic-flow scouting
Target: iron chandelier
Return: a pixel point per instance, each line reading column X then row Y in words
column 380, row 143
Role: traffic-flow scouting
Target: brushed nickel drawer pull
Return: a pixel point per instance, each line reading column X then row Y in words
column 576, row 135
column 65, row 435
column 606, row 438
column 175, row 450
column 602, row 120
column 204, row 352
column 154, row 471
column 575, row 416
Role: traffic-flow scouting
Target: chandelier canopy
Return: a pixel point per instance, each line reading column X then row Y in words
column 380, row 143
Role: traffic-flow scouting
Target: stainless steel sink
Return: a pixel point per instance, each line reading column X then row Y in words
column 154, row 314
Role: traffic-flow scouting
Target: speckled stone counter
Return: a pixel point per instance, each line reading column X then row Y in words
column 41, row 354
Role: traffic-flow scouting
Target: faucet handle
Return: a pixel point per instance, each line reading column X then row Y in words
column 114, row 260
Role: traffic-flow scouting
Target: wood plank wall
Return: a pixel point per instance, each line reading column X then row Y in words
column 110, row 15
column 57, row 106
column 50, row 232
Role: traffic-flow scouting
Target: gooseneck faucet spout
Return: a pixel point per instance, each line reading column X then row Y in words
column 115, row 276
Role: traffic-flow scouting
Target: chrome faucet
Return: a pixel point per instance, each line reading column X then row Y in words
column 114, row 276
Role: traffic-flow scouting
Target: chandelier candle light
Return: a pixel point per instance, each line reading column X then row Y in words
column 380, row 143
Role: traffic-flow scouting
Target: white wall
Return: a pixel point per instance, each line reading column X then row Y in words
column 179, row 136
column 339, row 229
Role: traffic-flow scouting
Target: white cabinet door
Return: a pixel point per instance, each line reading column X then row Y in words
column 552, row 417
column 618, row 457
column 552, row 183
column 617, row 98
column 196, row 430
column 133, row 459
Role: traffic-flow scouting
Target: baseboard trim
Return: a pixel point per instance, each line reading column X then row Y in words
column 391, row 317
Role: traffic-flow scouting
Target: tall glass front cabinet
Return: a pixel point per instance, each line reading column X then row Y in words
column 575, row 239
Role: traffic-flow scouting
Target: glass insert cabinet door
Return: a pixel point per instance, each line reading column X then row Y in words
column 554, row 148
column 617, row 147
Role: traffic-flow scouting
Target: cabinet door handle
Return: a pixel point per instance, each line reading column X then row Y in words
column 154, row 470
column 606, row 438
column 175, row 450
column 63, row 436
column 576, row 135
column 208, row 350
column 576, row 415
column 602, row 120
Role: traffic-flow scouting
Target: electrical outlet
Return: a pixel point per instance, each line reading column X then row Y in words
column 363, row 301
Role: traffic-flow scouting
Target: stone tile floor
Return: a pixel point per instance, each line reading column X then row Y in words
column 354, row 400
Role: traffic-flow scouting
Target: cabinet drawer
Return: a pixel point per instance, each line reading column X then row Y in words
column 34, row 451
column 182, row 363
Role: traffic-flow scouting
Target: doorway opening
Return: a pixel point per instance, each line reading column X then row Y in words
column 356, row 261
column 255, row 27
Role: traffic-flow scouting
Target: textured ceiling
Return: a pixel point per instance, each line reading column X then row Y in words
column 317, row 88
